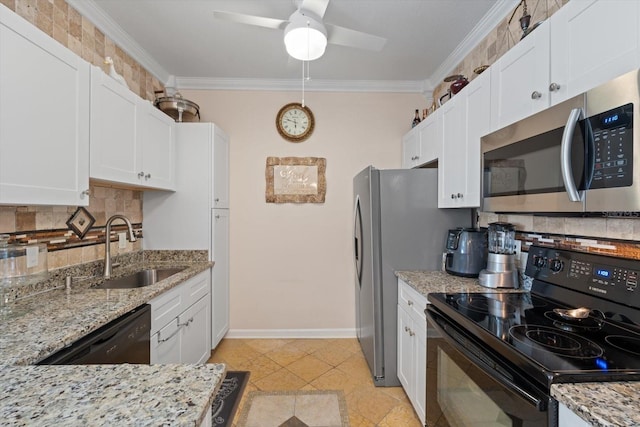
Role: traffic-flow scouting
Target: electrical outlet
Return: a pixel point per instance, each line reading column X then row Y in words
column 122, row 240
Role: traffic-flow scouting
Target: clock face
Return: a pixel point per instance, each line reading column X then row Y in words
column 295, row 123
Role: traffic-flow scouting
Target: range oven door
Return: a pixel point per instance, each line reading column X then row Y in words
column 470, row 386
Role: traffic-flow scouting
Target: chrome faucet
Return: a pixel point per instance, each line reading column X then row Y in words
column 107, row 242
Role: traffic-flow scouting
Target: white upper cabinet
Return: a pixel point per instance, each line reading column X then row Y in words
column 520, row 79
column 132, row 142
column 592, row 42
column 465, row 119
column 220, row 169
column 584, row 44
column 411, row 148
column 115, row 153
column 422, row 145
column 157, row 140
column 44, row 118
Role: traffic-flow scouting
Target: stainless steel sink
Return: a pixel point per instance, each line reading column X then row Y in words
column 140, row 279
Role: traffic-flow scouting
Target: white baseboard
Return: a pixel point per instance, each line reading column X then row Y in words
column 291, row 333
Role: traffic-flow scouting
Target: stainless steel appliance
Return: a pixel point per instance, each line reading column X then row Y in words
column 577, row 156
column 466, row 251
column 397, row 226
column 501, row 271
column 496, row 355
column 123, row 340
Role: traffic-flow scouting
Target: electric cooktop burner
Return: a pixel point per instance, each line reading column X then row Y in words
column 628, row 344
column 559, row 342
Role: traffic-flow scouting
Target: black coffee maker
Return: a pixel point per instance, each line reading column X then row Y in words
column 466, row 252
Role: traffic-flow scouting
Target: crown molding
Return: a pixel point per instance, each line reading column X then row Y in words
column 401, row 86
column 482, row 29
column 90, row 10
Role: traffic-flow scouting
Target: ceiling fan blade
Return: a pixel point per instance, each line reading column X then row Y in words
column 241, row 18
column 352, row 38
column 319, row 7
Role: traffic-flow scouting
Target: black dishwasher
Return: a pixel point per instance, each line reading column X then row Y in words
column 123, row 340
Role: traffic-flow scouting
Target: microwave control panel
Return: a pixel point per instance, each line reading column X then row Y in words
column 612, row 133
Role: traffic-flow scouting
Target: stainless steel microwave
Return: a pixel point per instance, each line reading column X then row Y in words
column 577, row 156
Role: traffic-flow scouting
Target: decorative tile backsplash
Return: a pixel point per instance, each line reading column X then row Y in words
column 63, row 23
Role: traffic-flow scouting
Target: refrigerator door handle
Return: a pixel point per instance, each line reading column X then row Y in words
column 357, row 235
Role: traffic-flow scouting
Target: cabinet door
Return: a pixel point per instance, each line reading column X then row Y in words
column 405, row 353
column 44, row 118
column 593, row 42
column 220, row 286
column 157, row 139
column 116, row 154
column 420, row 375
column 411, row 149
column 478, row 123
column 220, row 169
column 195, row 331
column 431, row 138
column 520, row 79
column 165, row 344
column 451, row 167
column 568, row 418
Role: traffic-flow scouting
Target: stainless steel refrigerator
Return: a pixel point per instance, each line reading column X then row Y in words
column 397, row 226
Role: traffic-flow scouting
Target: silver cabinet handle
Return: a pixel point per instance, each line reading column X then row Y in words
column 147, row 176
column 185, row 323
column 169, row 337
column 84, row 193
column 409, row 303
column 406, row 329
column 459, row 195
column 554, row 87
column 411, row 333
column 140, row 174
column 536, row 95
column 453, row 196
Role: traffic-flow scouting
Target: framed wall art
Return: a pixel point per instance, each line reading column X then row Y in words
column 296, row 179
column 81, row 221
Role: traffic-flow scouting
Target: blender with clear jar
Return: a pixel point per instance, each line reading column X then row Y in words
column 501, row 271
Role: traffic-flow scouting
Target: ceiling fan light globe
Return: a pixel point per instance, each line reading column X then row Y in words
column 305, row 38
column 305, row 44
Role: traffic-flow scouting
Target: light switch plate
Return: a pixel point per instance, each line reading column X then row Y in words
column 122, row 240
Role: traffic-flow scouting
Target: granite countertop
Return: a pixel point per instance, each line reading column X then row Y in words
column 46, row 317
column 108, row 395
column 601, row 404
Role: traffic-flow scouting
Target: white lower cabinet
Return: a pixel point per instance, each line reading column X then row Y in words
column 568, row 418
column 412, row 347
column 180, row 322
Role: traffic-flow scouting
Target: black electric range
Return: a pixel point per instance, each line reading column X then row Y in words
column 532, row 332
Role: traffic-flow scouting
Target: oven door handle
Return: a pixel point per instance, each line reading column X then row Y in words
column 539, row 403
column 565, row 155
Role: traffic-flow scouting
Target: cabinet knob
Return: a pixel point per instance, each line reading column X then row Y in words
column 554, row 87
column 217, row 216
column 459, row 195
column 140, row 174
column 536, row 95
column 411, row 333
column 453, row 196
column 147, row 176
column 409, row 303
column 85, row 193
column 415, row 157
column 406, row 329
column 217, row 199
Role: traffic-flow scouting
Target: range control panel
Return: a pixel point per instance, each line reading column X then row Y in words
column 615, row 279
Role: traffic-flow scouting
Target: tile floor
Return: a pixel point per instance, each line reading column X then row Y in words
column 318, row 364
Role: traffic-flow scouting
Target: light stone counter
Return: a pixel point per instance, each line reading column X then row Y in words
column 108, row 395
column 605, row 404
column 48, row 317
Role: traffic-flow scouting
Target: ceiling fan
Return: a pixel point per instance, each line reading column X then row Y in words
column 305, row 34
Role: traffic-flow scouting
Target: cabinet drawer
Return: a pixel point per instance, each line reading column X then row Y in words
column 196, row 288
column 166, row 308
column 412, row 302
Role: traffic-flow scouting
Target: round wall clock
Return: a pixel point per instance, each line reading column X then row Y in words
column 294, row 122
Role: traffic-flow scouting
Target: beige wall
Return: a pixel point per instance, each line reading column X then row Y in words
column 291, row 265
